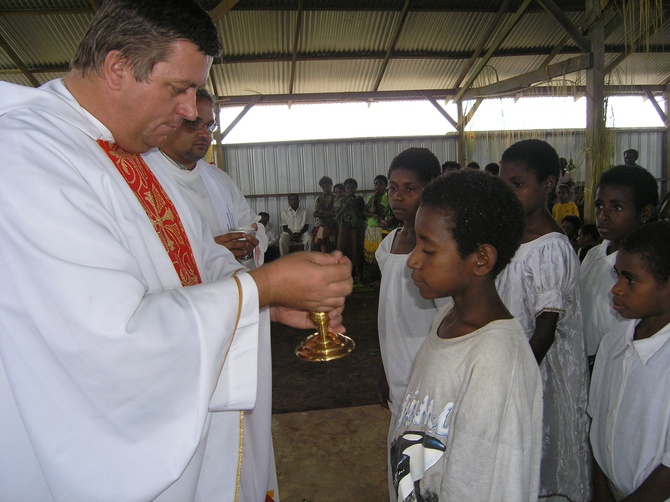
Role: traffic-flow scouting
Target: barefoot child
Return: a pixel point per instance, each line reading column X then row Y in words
column 404, row 318
column 629, row 399
column 540, row 289
column 470, row 425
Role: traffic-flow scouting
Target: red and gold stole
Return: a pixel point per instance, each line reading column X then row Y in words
column 159, row 208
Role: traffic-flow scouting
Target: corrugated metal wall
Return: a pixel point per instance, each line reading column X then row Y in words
column 267, row 173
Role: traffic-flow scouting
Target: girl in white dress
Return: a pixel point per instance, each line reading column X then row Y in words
column 404, row 318
column 540, row 288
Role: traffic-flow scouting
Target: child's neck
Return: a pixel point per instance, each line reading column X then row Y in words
column 539, row 223
column 405, row 238
column 613, row 247
column 473, row 309
column 649, row 326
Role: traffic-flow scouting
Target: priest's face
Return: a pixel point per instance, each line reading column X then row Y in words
column 190, row 142
column 148, row 111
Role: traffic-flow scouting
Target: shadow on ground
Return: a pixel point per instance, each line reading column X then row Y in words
column 351, row 381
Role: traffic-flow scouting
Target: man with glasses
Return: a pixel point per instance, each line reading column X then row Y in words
column 208, row 188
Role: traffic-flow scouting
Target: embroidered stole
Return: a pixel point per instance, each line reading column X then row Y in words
column 165, row 220
column 159, row 209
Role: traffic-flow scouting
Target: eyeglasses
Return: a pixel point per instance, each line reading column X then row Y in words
column 198, row 124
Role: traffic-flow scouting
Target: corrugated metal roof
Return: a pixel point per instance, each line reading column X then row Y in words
column 346, row 46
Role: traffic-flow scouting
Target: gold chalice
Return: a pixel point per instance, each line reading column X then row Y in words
column 324, row 345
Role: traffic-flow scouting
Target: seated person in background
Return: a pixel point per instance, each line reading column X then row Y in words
column 564, row 205
column 294, row 226
column 587, row 237
column 472, row 165
column 629, row 400
column 272, row 252
column 493, row 168
column 571, row 225
column 470, row 427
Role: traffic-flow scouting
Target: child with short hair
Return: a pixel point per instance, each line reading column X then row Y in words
column 626, row 197
column 539, row 287
column 564, row 206
column 403, row 318
column 470, row 425
column 629, row 399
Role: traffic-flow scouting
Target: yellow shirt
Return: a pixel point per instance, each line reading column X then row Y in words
column 563, row 209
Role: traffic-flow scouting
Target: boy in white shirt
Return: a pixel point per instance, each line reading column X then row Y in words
column 629, row 399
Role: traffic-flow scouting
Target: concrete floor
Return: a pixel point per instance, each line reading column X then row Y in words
column 333, row 455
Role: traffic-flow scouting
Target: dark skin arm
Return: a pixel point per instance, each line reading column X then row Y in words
column 545, row 333
column 655, row 488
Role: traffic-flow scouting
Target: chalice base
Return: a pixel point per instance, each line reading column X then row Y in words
column 318, row 348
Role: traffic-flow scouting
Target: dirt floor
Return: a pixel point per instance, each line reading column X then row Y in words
column 351, row 381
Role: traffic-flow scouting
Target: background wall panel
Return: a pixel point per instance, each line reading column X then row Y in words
column 267, row 173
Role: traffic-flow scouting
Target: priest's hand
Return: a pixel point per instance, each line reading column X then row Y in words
column 305, row 281
column 298, row 318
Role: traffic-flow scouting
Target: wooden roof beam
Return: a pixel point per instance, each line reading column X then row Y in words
column 221, row 9
column 657, row 107
column 396, row 36
column 575, row 34
column 45, row 12
column 521, row 81
column 442, row 111
column 495, row 22
column 296, row 43
column 420, row 95
column 250, row 104
column 4, row 44
column 498, row 40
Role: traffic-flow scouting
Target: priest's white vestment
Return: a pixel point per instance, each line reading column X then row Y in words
column 112, row 375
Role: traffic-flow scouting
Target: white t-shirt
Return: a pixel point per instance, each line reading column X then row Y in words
column 630, row 405
column 471, row 422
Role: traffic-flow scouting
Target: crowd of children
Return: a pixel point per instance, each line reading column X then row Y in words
column 495, row 302
column 486, row 321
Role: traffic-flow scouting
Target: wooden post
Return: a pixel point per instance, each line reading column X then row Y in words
column 597, row 145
